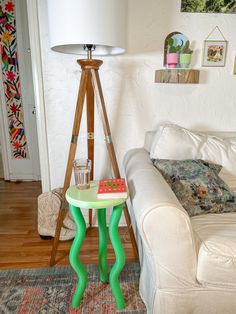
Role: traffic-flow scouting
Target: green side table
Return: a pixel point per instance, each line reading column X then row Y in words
column 78, row 199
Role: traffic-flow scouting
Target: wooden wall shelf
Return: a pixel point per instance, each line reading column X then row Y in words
column 178, row 76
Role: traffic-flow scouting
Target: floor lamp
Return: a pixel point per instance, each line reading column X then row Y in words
column 88, row 27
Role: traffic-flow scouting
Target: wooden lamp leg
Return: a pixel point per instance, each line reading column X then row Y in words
column 103, row 114
column 71, row 157
column 90, row 130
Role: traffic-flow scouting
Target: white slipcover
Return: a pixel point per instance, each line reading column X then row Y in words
column 174, row 142
column 187, row 265
column 217, row 248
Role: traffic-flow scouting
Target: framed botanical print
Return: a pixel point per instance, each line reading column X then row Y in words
column 214, row 6
column 214, row 53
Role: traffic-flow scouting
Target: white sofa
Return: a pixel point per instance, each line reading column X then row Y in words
column 188, row 265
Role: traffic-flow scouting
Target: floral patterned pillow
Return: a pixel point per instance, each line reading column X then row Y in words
column 197, row 185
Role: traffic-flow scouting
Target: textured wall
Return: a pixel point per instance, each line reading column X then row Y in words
column 134, row 102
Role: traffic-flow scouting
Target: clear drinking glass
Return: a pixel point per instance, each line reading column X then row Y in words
column 82, row 169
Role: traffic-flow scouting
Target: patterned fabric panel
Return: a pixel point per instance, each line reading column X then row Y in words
column 197, row 185
column 11, row 80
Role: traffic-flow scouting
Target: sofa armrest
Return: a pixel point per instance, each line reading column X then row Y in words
column 163, row 224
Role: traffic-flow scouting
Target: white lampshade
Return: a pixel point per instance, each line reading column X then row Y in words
column 74, row 23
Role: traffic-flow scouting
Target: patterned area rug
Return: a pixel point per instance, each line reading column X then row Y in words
column 49, row 290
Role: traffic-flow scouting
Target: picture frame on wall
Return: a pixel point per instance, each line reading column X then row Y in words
column 214, row 53
column 234, row 72
column 196, row 6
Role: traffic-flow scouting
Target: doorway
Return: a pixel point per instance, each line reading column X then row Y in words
column 26, row 167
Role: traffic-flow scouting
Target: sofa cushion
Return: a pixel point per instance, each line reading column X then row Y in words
column 174, row 142
column 197, row 185
column 216, row 238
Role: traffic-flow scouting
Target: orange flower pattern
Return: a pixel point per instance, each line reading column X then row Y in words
column 11, row 79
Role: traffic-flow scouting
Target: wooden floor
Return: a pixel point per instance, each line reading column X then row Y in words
column 20, row 244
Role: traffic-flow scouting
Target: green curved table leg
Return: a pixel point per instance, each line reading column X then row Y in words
column 74, row 255
column 102, row 252
column 120, row 256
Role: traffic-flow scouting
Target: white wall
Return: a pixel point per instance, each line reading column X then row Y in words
column 134, row 102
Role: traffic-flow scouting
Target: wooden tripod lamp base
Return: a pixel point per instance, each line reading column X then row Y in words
column 89, row 86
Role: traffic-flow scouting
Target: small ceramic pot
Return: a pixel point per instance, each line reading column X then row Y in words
column 172, row 60
column 185, row 60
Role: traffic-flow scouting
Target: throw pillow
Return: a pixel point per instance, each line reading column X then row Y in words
column 197, row 185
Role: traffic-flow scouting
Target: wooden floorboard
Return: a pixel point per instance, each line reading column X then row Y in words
column 20, row 244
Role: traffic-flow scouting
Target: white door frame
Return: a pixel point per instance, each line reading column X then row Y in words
column 3, row 137
column 34, row 35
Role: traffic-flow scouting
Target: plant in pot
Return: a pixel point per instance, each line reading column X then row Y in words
column 172, row 56
column 185, row 55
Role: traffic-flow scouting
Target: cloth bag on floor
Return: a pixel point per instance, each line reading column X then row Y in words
column 49, row 204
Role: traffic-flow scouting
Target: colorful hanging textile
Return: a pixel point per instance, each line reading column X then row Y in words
column 11, row 80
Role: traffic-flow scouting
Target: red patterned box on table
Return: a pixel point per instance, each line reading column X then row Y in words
column 112, row 188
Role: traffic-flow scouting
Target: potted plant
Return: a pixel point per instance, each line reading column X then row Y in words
column 185, row 55
column 172, row 56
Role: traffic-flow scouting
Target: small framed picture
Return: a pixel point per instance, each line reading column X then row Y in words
column 214, row 53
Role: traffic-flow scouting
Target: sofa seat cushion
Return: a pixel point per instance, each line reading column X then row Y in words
column 216, row 240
